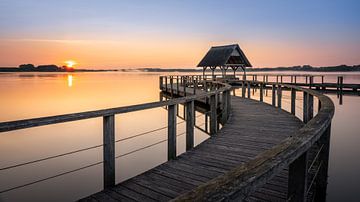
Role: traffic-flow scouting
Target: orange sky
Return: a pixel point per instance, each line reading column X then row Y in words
column 135, row 53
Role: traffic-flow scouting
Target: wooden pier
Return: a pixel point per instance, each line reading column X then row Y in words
column 261, row 152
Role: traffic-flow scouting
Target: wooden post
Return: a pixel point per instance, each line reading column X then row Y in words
column 177, row 85
column 310, row 107
column 171, row 132
column 190, row 121
column 213, row 115
column 305, row 107
column 341, row 89
column 225, row 107
column 322, row 80
column 295, row 79
column 291, row 79
column 248, row 89
column 261, row 93
column 321, row 185
column 109, row 151
column 281, row 79
column 277, row 79
column 184, row 85
column 243, row 89
column 279, row 93
column 297, row 182
column 171, row 87
column 293, row 101
column 194, row 85
column 273, row 95
column 166, row 82
column 161, row 83
column 306, row 78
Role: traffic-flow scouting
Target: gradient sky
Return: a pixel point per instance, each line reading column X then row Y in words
column 169, row 33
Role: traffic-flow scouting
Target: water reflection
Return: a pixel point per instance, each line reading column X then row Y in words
column 70, row 80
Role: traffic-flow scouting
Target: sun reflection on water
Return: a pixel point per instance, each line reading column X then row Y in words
column 70, row 80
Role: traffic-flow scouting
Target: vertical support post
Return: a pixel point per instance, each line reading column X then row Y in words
column 279, row 94
column 213, row 115
column 166, row 86
column 248, row 90
column 277, row 79
column 177, row 85
column 161, row 82
column 322, row 80
column 171, row 132
column 321, row 185
column 261, row 93
column 171, row 86
column 305, row 107
column 109, row 151
column 281, row 79
column 190, row 121
column 341, row 89
column 273, row 98
column 293, row 101
column 194, row 86
column 297, row 182
column 291, row 79
column 243, row 89
column 306, row 79
column 295, row 79
column 310, row 107
column 225, row 107
column 184, row 85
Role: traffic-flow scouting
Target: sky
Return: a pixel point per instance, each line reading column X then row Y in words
column 178, row 33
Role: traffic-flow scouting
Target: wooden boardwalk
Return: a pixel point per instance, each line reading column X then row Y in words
column 252, row 128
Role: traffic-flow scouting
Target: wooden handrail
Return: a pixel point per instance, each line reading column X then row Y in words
column 240, row 182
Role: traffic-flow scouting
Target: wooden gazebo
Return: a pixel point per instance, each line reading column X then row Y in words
column 224, row 57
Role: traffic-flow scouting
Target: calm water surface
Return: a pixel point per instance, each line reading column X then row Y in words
column 30, row 95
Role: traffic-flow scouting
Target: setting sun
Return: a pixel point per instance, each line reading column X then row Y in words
column 70, row 63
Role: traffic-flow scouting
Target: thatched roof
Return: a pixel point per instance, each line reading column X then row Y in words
column 229, row 55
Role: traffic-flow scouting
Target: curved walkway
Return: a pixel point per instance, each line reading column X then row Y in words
column 252, row 128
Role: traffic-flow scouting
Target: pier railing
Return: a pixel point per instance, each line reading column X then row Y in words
column 216, row 90
column 305, row 152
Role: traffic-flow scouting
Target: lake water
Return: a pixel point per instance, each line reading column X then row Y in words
column 30, row 95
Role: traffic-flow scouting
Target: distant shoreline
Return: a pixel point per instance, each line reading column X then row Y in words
column 307, row 68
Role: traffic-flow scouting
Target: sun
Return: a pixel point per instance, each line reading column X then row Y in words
column 70, row 63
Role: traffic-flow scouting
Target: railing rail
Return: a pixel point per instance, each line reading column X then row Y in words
column 109, row 141
column 293, row 152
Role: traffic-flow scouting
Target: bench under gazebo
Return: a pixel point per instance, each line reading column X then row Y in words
column 224, row 57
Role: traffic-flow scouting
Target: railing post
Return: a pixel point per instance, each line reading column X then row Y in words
column 273, row 98
column 305, row 107
column 161, row 83
column 184, row 85
column 177, row 85
column 310, row 107
column 213, row 115
column 109, row 151
column 279, row 94
column 293, row 101
column 248, row 90
column 297, row 182
column 243, row 89
column 261, row 93
column 194, row 85
column 224, row 106
column 190, row 115
column 171, row 132
column 166, row 86
column 321, row 185
column 171, row 87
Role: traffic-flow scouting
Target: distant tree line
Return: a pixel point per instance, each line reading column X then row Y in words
column 41, row 68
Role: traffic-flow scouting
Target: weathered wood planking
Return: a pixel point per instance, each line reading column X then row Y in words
column 253, row 128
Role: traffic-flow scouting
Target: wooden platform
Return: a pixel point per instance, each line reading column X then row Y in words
column 252, row 128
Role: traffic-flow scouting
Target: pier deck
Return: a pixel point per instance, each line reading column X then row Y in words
column 253, row 128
